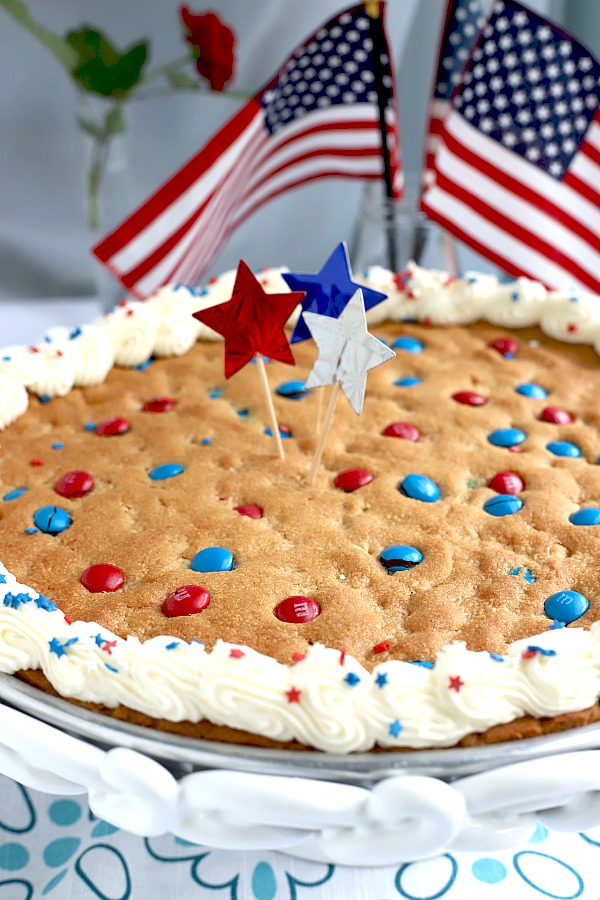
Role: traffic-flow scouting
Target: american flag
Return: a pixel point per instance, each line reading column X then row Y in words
column 318, row 117
column 517, row 172
column 464, row 20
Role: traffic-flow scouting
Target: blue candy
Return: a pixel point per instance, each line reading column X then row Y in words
column 213, row 559
column 506, row 437
column 400, row 557
column 409, row 344
column 566, row 606
column 532, row 390
column 564, row 448
column 419, row 487
column 17, row 492
column 293, row 390
column 408, row 381
column 52, row 519
column 503, row 505
column 588, row 516
column 167, row 470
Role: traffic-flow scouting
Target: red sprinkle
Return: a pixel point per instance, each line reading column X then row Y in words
column 528, row 654
column 342, row 656
column 68, row 620
column 159, row 405
column 402, row 430
column 516, row 448
column 236, row 653
column 382, row 647
column 455, row 683
column 102, row 577
column 352, row 479
column 293, row 695
column 298, row 657
column 571, row 328
column 116, row 425
column 248, row 509
column 107, row 646
column 74, row 484
column 297, row 609
column 556, row 415
column 507, row 483
column 36, row 462
column 186, row 600
column 470, row 398
column 505, row 346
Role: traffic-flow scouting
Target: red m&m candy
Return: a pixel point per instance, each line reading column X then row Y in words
column 74, row 484
column 102, row 577
column 250, row 510
column 186, row 600
column 402, row 430
column 116, row 425
column 470, row 398
column 507, row 483
column 352, row 479
column 159, row 405
column 297, row 609
column 556, row 415
column 506, row 346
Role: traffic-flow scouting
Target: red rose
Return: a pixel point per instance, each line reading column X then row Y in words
column 213, row 42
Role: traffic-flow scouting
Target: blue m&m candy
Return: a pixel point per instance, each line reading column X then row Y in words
column 400, row 557
column 536, row 391
column 503, row 505
column 564, row 448
column 15, row 494
column 419, row 487
column 408, row 344
column 213, row 559
column 52, row 519
column 506, row 437
column 588, row 516
column 167, row 470
column 293, row 390
column 566, row 606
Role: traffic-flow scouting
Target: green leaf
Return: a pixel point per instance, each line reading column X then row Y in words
column 181, row 80
column 100, row 68
column 115, row 121
column 54, row 42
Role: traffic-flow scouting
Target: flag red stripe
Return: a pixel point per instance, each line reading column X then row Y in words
column 519, row 189
column 583, row 188
column 589, row 150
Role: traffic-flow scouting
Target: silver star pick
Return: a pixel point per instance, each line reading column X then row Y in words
column 346, row 350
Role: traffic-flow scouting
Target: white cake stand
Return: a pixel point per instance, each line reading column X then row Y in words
column 369, row 809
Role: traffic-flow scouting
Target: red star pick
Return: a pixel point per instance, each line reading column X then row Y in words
column 252, row 321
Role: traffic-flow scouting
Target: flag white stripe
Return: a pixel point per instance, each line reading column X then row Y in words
column 556, row 192
column 518, row 209
column 587, row 170
column 593, row 135
column 481, row 230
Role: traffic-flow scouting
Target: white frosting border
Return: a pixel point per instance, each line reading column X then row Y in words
column 325, row 701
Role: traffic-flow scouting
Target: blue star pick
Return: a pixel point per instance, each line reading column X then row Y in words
column 328, row 291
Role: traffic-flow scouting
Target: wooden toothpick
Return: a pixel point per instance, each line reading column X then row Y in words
column 260, row 365
column 322, row 437
column 318, row 409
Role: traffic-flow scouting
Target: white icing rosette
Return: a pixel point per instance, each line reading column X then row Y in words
column 56, row 374
column 13, row 400
column 21, row 363
column 518, row 304
column 573, row 317
column 132, row 329
column 94, row 357
column 177, row 330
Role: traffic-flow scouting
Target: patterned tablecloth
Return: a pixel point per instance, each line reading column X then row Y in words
column 53, row 846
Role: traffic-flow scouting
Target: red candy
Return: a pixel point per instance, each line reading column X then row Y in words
column 250, row 510
column 352, row 479
column 402, row 430
column 103, row 577
column 556, row 415
column 470, row 398
column 159, row 405
column 74, row 484
column 297, row 609
column 506, row 346
column 186, row 600
column 507, row 483
column 116, row 425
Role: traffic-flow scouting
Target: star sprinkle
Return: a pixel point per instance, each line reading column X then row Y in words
column 15, row 600
column 293, row 695
column 251, row 322
column 57, row 648
column 455, row 683
column 381, row 680
column 395, row 728
column 236, row 653
column 346, row 350
column 328, row 291
column 352, row 679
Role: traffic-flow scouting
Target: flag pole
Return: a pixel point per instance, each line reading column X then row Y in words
column 373, row 10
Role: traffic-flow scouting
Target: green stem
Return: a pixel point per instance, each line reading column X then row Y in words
column 101, row 146
column 168, row 67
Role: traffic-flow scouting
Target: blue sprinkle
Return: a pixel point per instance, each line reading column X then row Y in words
column 243, row 413
column 381, row 679
column 284, row 432
column 98, row 639
column 573, row 299
column 529, row 577
column 47, row 339
column 172, row 645
column 71, row 641
column 508, row 355
column 75, row 334
column 515, row 571
column 44, row 398
column 90, row 426
column 57, row 647
column 556, row 625
column 58, row 445
column 143, row 366
column 215, row 393
column 395, row 728
column 30, row 531
column 167, row 470
column 408, row 381
column 496, row 657
column 17, row 492
column 471, row 279
column 206, row 441
column 541, row 650
column 423, row 663
column 352, row 679
column 111, row 668
column 2, row 578
column 14, row 601
column 6, row 358
column 46, row 603
column 530, row 389
column 514, row 296
column 202, row 292
column 409, row 344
